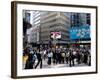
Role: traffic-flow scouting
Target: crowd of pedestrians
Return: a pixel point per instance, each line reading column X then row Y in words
column 34, row 57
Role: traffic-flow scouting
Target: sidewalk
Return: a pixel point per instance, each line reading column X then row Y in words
column 45, row 65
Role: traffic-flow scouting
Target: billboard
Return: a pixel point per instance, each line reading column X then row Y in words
column 82, row 32
column 55, row 35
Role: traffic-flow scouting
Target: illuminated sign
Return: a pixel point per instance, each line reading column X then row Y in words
column 82, row 32
column 56, row 35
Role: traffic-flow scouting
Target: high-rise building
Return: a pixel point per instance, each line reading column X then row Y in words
column 79, row 19
column 46, row 22
column 34, row 34
column 80, row 27
column 55, row 22
column 26, row 25
column 36, row 26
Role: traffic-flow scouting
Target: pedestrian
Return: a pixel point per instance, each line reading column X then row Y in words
column 89, row 59
column 29, row 62
column 39, row 58
column 85, row 56
column 63, row 57
column 78, row 56
column 67, row 56
column 71, row 58
column 25, row 57
column 44, row 54
column 54, row 56
column 50, row 54
column 59, row 56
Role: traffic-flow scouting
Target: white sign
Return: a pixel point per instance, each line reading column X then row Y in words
column 56, row 35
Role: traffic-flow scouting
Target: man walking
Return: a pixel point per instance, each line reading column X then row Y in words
column 39, row 57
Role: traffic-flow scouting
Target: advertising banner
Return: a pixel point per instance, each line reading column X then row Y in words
column 82, row 32
column 56, row 35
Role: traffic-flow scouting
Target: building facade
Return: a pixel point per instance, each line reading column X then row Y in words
column 43, row 23
column 26, row 26
column 80, row 19
column 80, row 22
column 34, row 32
column 55, row 22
